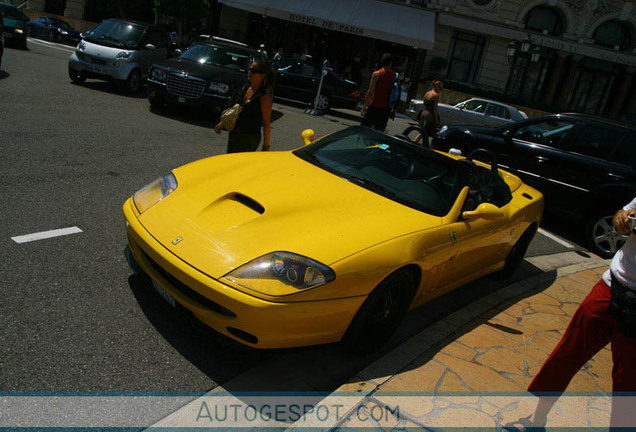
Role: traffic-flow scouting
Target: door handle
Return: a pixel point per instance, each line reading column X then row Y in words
column 615, row 176
column 542, row 159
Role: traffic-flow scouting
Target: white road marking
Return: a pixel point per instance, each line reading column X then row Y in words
column 556, row 239
column 52, row 45
column 46, row 235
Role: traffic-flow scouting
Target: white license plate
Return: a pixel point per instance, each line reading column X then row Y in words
column 163, row 293
column 96, row 69
column 181, row 99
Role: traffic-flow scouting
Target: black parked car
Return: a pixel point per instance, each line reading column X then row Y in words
column 299, row 80
column 53, row 29
column 209, row 74
column 584, row 165
column 1, row 39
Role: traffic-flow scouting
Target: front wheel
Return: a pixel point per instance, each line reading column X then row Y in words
column 601, row 237
column 133, row 83
column 76, row 76
column 381, row 313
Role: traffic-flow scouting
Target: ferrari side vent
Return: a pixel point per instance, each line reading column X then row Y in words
column 249, row 202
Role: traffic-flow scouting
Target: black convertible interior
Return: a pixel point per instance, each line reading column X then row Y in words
column 403, row 171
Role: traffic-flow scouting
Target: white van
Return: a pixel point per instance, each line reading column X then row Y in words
column 121, row 51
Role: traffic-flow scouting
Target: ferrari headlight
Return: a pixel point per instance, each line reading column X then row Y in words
column 281, row 273
column 154, row 192
column 158, row 74
column 219, row 87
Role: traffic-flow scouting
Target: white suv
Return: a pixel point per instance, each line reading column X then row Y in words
column 119, row 50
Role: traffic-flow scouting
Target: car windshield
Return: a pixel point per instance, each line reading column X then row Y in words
column 217, row 56
column 13, row 13
column 116, row 34
column 398, row 170
column 61, row 24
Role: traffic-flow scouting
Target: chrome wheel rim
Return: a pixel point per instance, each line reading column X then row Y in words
column 605, row 237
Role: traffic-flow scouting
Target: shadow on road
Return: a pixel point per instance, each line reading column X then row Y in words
column 112, row 88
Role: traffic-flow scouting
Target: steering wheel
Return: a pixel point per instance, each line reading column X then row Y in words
column 494, row 168
column 405, row 133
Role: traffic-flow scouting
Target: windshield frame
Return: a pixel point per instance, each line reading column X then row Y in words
column 421, row 156
column 224, row 51
column 109, row 33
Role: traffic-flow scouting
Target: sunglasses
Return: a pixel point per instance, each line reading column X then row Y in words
column 254, row 70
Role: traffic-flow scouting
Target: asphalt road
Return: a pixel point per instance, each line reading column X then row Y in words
column 72, row 316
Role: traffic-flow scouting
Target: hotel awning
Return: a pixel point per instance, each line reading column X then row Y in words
column 391, row 22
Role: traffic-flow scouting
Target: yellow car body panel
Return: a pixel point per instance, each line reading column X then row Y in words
column 229, row 210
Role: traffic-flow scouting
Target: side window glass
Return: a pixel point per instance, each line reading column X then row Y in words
column 596, row 142
column 158, row 39
column 625, row 152
column 476, row 106
column 497, row 111
column 551, row 133
column 308, row 70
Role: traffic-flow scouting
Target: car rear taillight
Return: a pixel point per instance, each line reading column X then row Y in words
column 354, row 94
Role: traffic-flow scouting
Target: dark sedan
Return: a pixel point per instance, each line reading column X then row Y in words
column 208, row 74
column 584, row 165
column 14, row 22
column 299, row 80
column 54, row 29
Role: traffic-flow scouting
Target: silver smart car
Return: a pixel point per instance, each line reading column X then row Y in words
column 121, row 51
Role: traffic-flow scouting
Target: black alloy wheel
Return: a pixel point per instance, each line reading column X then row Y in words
column 381, row 313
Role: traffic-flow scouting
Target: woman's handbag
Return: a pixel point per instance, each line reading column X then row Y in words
column 230, row 116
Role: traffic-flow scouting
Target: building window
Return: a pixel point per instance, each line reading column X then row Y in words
column 613, row 34
column 544, row 19
column 465, row 56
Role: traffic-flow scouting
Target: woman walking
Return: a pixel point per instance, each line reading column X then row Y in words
column 429, row 119
column 256, row 99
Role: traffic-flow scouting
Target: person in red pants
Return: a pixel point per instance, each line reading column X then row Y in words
column 607, row 315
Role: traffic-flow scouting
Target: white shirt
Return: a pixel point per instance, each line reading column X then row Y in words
column 624, row 262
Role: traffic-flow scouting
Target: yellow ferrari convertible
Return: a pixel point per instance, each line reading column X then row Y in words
column 334, row 241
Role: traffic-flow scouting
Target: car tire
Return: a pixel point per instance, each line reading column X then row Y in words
column 52, row 37
column 76, row 77
column 517, row 253
column 324, row 103
column 133, row 82
column 601, row 237
column 381, row 313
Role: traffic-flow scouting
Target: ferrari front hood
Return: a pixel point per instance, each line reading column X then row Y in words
column 228, row 210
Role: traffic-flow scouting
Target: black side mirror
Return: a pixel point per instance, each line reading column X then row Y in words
column 507, row 134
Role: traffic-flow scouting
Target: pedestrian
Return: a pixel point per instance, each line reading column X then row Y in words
column 377, row 109
column 261, row 50
column 429, row 118
column 608, row 314
column 256, row 99
column 279, row 54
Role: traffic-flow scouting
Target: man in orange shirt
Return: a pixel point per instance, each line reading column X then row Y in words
column 377, row 107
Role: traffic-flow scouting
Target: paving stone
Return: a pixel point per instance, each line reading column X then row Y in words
column 460, row 350
column 544, row 321
column 535, row 353
column 478, row 377
column 486, row 337
column 542, row 299
column 452, row 383
column 424, row 378
column 503, row 360
column 565, row 293
column 459, row 417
